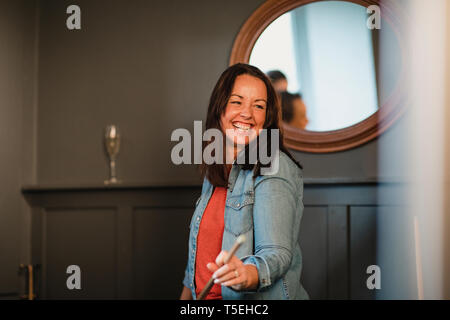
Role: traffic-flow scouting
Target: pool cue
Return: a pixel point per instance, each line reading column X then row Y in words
column 240, row 240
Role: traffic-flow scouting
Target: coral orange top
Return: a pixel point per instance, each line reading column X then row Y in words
column 209, row 241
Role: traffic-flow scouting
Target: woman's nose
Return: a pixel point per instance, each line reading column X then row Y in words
column 246, row 111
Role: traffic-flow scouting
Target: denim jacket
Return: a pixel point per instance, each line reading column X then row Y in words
column 267, row 210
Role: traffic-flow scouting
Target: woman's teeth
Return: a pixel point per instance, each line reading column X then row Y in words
column 242, row 127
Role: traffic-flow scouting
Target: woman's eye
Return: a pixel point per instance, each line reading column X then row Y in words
column 236, row 102
column 260, row 107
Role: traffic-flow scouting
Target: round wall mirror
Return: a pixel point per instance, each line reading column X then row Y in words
column 337, row 65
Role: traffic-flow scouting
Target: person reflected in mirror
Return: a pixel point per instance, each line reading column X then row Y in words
column 293, row 110
column 279, row 80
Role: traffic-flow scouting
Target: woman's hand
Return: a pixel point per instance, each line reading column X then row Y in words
column 234, row 274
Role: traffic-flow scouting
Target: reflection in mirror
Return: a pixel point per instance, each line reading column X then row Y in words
column 326, row 53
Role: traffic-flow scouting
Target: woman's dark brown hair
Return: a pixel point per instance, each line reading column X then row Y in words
column 217, row 173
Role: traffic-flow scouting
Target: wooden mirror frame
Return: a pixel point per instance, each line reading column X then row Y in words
column 335, row 140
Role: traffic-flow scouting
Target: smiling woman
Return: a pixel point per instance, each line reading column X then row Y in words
column 241, row 200
column 245, row 110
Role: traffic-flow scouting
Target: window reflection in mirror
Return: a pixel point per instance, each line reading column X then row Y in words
column 325, row 52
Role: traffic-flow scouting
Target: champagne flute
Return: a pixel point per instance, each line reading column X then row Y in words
column 112, row 145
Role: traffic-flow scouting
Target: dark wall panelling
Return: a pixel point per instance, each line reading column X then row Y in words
column 313, row 243
column 362, row 238
column 338, row 255
column 131, row 242
column 160, row 251
column 86, row 237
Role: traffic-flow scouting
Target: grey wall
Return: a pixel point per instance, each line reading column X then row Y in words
column 149, row 67
column 17, row 132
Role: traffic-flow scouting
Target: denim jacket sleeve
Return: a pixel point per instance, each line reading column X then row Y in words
column 276, row 216
column 186, row 277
